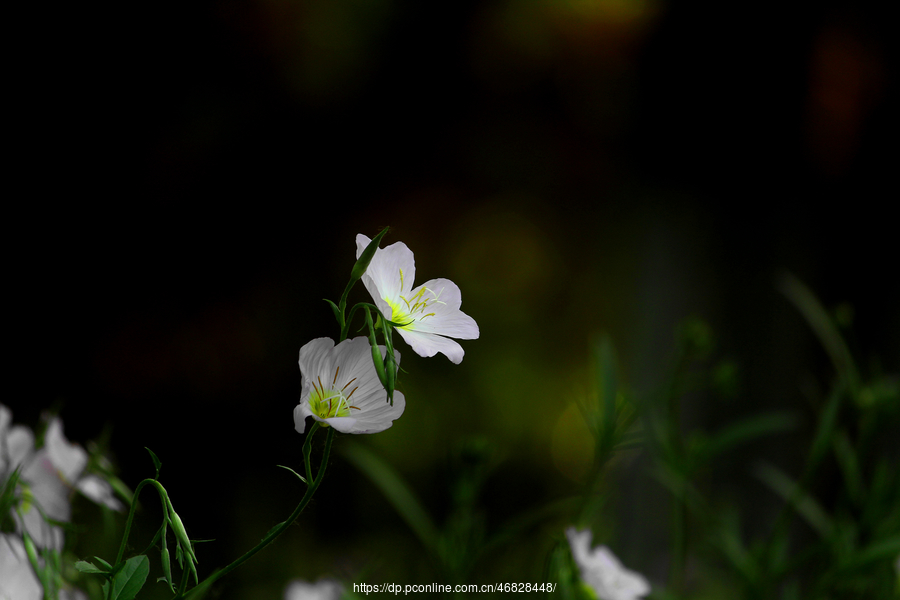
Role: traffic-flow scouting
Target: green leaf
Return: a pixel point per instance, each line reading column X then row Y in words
column 8, row 495
column 362, row 263
column 748, row 429
column 129, row 581
column 608, row 387
column 299, row 476
column 823, row 326
column 884, row 550
column 825, row 429
column 86, row 567
column 199, row 592
column 104, row 563
column 336, row 310
column 156, row 462
column 805, row 505
column 396, row 491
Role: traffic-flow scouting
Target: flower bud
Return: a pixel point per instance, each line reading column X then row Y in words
column 181, row 535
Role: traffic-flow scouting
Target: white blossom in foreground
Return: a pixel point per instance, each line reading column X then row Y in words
column 429, row 314
column 17, row 578
column 342, row 389
column 602, row 571
column 324, row 589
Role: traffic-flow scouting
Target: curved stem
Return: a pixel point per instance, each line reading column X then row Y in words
column 163, row 498
column 314, row 485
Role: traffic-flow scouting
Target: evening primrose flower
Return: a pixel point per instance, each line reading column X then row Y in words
column 602, row 571
column 428, row 315
column 342, row 389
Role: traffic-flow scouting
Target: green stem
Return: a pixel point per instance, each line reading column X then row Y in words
column 314, row 485
column 163, row 498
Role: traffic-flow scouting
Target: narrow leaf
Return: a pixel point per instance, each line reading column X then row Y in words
column 805, row 505
column 156, row 462
column 362, row 263
column 337, row 312
column 748, row 429
column 396, row 491
column 359, row 268
column 104, row 563
column 823, row 326
column 299, row 476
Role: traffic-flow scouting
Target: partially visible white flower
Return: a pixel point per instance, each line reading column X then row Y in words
column 429, row 314
column 602, row 571
column 70, row 461
column 16, row 443
column 46, row 479
column 342, row 389
column 324, row 589
column 17, row 578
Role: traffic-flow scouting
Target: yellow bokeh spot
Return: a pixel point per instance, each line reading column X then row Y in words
column 572, row 445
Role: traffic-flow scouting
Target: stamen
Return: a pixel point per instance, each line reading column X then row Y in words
column 401, row 279
column 354, row 407
column 351, row 393
column 348, row 383
column 336, row 374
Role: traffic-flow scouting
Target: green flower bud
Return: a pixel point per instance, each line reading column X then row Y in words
column 166, row 566
column 181, row 535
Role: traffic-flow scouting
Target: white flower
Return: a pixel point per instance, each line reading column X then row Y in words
column 16, row 444
column 602, row 571
column 342, row 389
column 17, row 578
column 46, row 479
column 324, row 589
column 427, row 313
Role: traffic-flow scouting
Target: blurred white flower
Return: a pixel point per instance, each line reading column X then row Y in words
column 428, row 315
column 324, row 589
column 342, row 389
column 46, row 479
column 17, row 578
column 16, row 443
column 602, row 571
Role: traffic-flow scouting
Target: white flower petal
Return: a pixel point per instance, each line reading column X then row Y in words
column 99, row 491
column 301, row 411
column 324, row 589
column 447, row 320
column 429, row 344
column 19, row 446
column 17, row 579
column 5, row 420
column 383, row 277
column 603, row 572
column 69, row 459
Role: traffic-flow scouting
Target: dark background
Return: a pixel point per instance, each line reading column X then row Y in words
column 188, row 180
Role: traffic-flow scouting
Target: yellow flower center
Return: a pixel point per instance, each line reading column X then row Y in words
column 408, row 311
column 329, row 402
